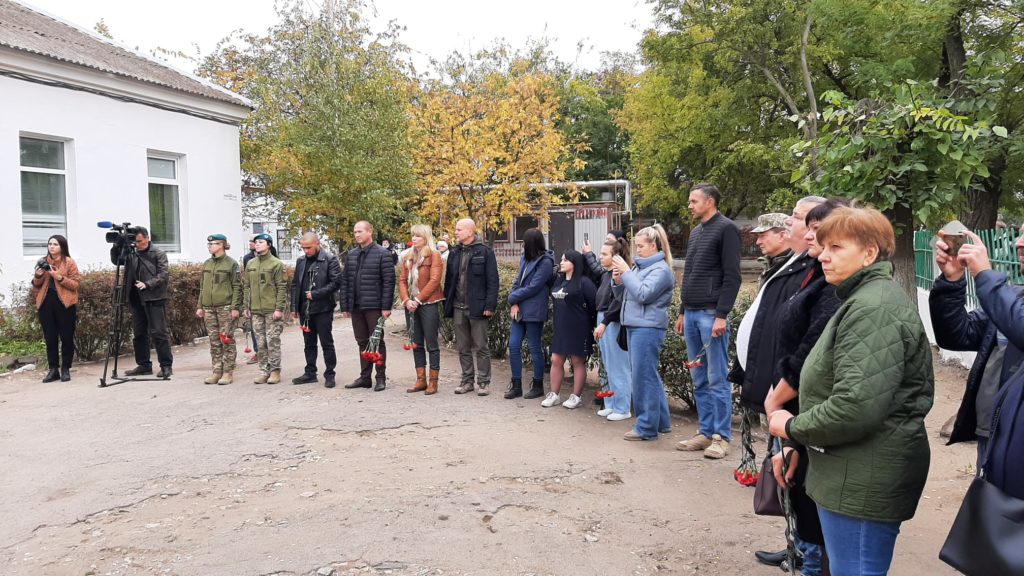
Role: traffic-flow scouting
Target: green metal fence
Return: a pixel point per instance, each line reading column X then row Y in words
column 1001, row 250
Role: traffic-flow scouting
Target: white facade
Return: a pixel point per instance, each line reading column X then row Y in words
column 107, row 147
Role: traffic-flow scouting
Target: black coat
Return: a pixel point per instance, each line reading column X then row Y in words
column 326, row 272
column 481, row 282
column 959, row 330
column 370, row 286
column 759, row 374
column 801, row 320
column 150, row 267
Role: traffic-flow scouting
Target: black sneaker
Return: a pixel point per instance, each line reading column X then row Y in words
column 139, row 371
column 165, row 372
column 305, row 379
column 328, row 381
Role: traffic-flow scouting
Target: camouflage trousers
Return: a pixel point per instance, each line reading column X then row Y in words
column 218, row 320
column 268, row 338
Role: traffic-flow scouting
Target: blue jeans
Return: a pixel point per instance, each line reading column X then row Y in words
column 857, row 547
column 649, row 398
column 534, row 332
column 711, row 391
column 617, row 365
column 811, row 554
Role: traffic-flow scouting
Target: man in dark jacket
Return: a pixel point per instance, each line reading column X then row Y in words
column 317, row 279
column 471, row 298
column 711, row 281
column 758, row 333
column 147, row 274
column 367, row 293
column 985, row 330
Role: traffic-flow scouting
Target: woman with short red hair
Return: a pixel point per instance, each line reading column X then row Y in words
column 867, row 386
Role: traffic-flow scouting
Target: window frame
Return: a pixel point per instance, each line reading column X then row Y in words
column 178, row 160
column 65, row 173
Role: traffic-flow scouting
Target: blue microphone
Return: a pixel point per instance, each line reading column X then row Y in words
column 105, row 224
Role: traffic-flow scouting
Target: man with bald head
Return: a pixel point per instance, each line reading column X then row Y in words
column 367, row 294
column 317, row 279
column 470, row 299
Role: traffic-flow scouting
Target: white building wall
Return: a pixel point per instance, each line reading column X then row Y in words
column 108, row 142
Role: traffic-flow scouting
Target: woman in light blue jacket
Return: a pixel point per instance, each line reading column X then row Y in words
column 645, row 308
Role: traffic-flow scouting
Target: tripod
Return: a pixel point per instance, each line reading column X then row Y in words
column 118, row 302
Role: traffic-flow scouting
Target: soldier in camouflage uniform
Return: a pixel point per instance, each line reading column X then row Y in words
column 265, row 298
column 220, row 303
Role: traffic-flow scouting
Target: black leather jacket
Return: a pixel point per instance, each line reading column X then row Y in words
column 150, row 267
column 326, row 272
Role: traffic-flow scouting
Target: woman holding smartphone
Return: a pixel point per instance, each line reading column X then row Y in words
column 55, row 287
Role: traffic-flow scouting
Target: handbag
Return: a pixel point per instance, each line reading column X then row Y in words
column 987, row 536
column 767, row 495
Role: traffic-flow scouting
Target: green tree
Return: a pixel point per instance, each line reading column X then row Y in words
column 328, row 138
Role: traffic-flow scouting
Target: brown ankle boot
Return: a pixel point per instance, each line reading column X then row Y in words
column 421, row 381
column 432, row 388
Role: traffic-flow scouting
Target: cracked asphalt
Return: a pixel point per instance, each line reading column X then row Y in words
column 182, row 478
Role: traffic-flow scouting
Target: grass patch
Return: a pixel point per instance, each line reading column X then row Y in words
column 22, row 348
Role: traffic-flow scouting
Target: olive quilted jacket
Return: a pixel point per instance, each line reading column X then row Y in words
column 865, row 390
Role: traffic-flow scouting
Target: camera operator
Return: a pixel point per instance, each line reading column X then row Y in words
column 147, row 275
column 55, row 289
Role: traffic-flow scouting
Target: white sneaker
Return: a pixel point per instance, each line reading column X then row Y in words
column 604, row 412
column 572, row 402
column 550, row 400
column 616, row 416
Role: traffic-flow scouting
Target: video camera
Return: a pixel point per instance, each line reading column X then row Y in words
column 120, row 233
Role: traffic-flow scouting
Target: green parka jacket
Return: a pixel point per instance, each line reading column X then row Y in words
column 265, row 285
column 865, row 389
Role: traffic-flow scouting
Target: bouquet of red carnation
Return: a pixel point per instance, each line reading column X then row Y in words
column 749, row 470
column 371, row 354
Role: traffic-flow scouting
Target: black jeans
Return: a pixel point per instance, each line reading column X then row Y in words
column 363, row 324
column 426, row 322
column 149, row 321
column 320, row 325
column 58, row 328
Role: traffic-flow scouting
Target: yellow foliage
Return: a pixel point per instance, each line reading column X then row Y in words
column 479, row 147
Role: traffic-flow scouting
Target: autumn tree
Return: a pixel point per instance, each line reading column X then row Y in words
column 485, row 140
column 328, row 139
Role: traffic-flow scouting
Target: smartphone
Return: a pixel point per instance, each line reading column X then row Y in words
column 954, row 242
column 586, row 237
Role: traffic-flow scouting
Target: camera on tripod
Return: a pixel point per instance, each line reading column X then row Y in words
column 120, row 233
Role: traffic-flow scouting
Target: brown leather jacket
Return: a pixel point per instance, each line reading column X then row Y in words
column 67, row 291
column 431, row 271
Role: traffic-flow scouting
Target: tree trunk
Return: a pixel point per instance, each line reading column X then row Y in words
column 983, row 205
column 902, row 218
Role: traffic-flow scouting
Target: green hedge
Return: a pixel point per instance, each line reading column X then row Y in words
column 20, row 322
column 673, row 356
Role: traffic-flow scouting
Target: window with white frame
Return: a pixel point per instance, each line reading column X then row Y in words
column 164, row 210
column 43, row 193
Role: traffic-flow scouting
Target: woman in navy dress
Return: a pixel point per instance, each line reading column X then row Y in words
column 575, row 311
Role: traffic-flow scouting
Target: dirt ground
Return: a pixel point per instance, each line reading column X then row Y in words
column 181, row 478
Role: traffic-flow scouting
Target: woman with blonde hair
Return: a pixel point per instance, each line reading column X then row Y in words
column 419, row 287
column 646, row 301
